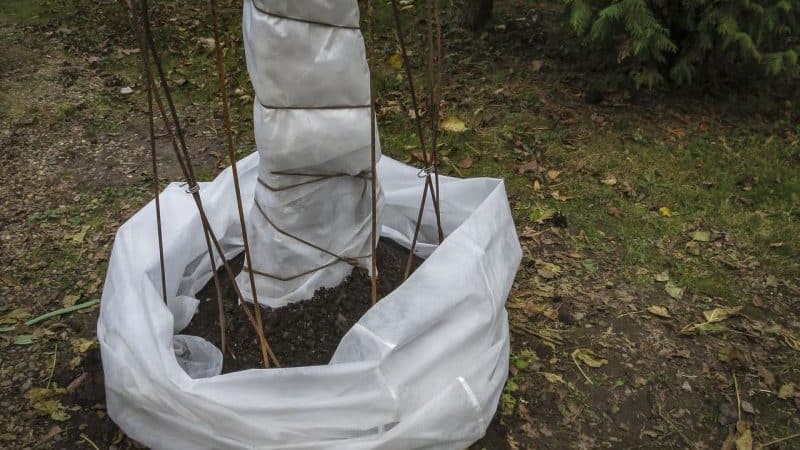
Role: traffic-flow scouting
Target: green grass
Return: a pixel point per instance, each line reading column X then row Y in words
column 24, row 12
column 739, row 182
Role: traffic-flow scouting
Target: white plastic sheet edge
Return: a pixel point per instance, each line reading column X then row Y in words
column 422, row 369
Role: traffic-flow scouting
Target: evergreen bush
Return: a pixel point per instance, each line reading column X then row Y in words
column 679, row 41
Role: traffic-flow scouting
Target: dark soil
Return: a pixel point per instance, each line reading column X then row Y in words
column 304, row 333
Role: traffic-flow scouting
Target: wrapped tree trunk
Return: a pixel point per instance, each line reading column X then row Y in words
column 310, row 223
column 477, row 13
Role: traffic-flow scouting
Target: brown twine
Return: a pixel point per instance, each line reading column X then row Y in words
column 353, row 261
column 297, row 19
column 312, row 107
column 318, row 177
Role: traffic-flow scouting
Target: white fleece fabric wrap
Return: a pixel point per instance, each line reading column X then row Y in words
column 423, row 369
column 311, row 116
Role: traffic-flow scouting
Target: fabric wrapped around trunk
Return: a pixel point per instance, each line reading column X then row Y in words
column 311, row 116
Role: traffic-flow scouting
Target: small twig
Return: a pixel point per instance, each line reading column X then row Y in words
column 683, row 436
column 86, row 438
column 738, row 397
column 575, row 360
column 53, row 368
column 783, row 439
column 373, row 161
column 73, row 386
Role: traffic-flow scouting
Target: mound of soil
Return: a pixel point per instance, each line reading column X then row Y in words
column 301, row 334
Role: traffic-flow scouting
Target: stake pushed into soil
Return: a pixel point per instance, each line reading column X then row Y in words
column 232, row 156
column 433, row 68
column 184, row 161
column 373, row 160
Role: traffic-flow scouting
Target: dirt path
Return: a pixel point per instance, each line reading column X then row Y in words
column 633, row 326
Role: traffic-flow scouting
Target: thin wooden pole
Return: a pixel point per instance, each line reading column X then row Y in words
column 222, row 78
column 374, row 156
column 184, row 162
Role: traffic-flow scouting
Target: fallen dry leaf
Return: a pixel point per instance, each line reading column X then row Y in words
column 609, row 180
column 553, row 175
column 701, row 236
column 659, row 311
column 531, row 166
column 83, row 345
column 43, row 400
column 744, row 437
column 558, row 196
column 454, row 125
column 15, row 316
column 693, row 248
column 465, row 163
column 674, row 291
column 70, row 300
column 665, row 212
column 552, row 377
column 786, row 391
column 720, row 314
column 396, row 61
column 589, row 357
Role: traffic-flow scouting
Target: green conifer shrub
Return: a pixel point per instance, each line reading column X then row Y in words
column 679, row 41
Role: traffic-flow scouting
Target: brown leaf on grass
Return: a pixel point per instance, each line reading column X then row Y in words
column 744, row 437
column 674, row 291
column 453, row 124
column 82, row 345
column 659, row 311
column 531, row 166
column 552, row 377
column 786, row 391
column 791, row 341
column 720, row 314
column 418, row 156
column 609, row 180
column 70, row 300
column 553, row 174
column 44, row 400
column 465, row 163
column 536, row 309
column 613, row 211
column 396, row 61
column 558, row 196
column 589, row 358
column 17, row 315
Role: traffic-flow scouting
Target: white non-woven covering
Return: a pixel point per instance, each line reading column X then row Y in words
column 311, row 115
column 423, row 369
